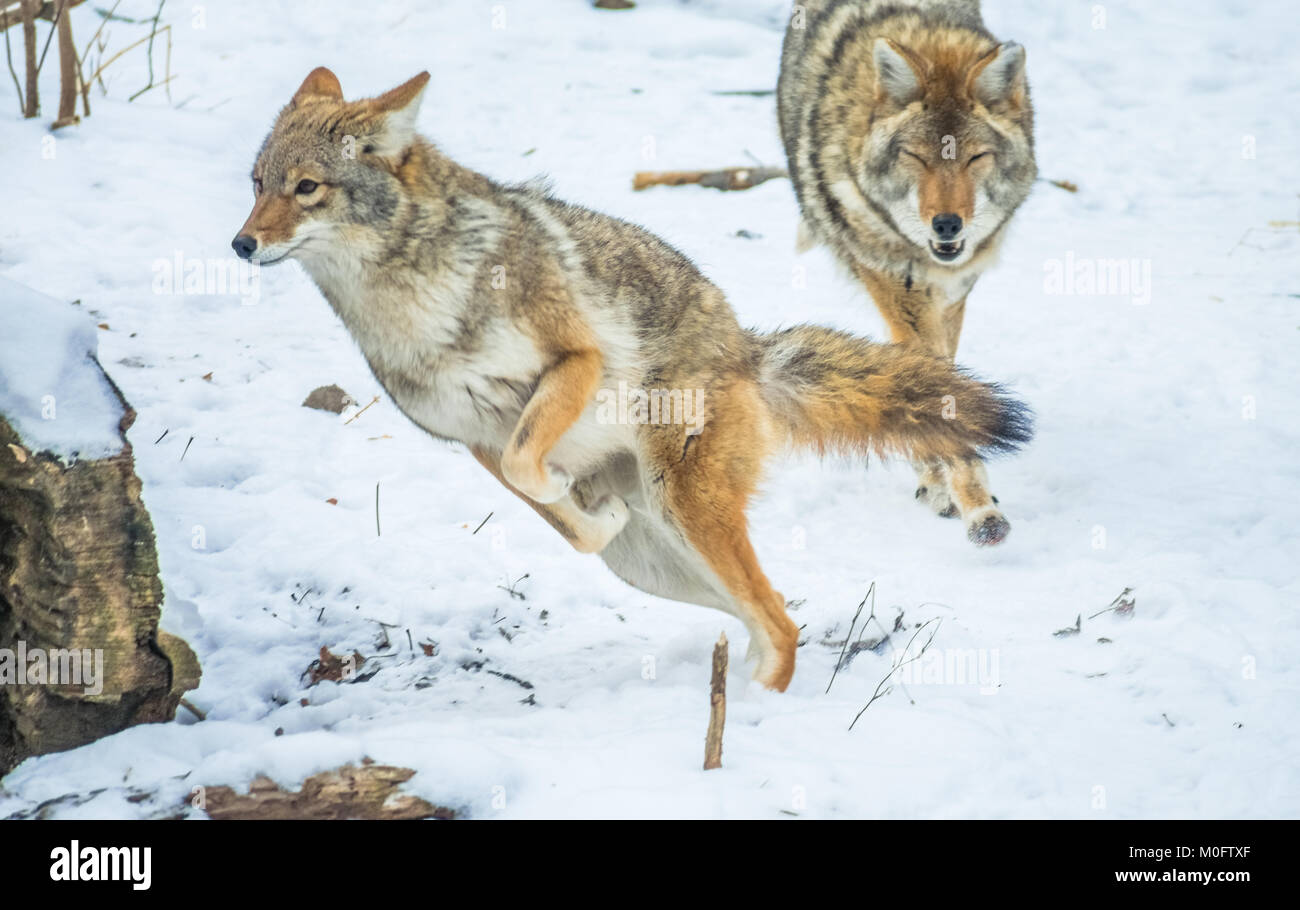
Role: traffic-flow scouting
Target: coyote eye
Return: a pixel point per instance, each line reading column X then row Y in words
column 306, row 187
column 975, row 158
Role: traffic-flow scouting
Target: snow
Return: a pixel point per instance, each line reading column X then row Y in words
column 1164, row 459
column 51, row 391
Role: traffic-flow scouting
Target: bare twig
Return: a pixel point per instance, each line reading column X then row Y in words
column 13, row 72
column 153, row 30
column 167, row 66
column 152, row 84
column 98, row 31
column 717, row 706
column 53, row 26
column 54, row 23
column 850, row 647
column 106, row 63
column 1122, row 605
column 871, row 594
column 881, row 691
column 509, row 587
column 378, row 533
column 166, row 82
column 482, row 523
column 362, row 411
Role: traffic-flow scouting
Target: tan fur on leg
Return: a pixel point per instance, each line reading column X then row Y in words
column 562, row 395
column 914, row 319
column 588, row 531
column 910, row 311
column 706, row 491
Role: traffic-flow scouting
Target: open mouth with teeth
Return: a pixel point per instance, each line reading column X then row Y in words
column 947, row 252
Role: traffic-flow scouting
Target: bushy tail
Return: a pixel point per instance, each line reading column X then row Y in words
column 835, row 392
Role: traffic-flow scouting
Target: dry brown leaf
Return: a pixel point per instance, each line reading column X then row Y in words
column 332, row 667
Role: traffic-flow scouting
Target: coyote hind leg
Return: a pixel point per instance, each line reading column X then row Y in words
column 704, row 489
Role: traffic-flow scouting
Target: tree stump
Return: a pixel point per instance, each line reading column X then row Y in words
column 81, row 655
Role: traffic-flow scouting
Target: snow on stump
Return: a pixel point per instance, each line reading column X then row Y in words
column 81, row 655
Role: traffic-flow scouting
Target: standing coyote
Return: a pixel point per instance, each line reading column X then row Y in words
column 496, row 316
column 909, row 135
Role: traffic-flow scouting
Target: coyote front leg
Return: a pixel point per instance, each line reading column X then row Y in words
column 563, row 393
column 949, row 490
column 588, row 530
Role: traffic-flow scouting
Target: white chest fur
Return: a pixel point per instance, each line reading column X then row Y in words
column 454, row 365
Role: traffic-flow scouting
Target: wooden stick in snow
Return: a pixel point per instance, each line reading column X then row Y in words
column 717, row 706
column 32, row 105
column 730, row 178
column 69, row 69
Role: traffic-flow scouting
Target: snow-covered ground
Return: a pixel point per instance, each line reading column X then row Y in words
column 1165, row 459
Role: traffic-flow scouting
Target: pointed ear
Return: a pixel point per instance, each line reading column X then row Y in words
column 900, row 72
column 398, row 109
column 320, row 84
column 999, row 76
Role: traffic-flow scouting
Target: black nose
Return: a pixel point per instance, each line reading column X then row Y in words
column 946, row 226
column 245, row 245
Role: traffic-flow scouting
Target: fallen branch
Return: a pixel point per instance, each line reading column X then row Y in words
column 368, row 792
column 717, row 706
column 731, row 178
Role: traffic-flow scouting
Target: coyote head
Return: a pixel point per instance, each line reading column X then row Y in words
column 949, row 152
column 328, row 172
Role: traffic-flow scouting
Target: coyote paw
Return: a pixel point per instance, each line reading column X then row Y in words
column 775, row 663
column 774, row 671
column 549, row 484
column 608, row 517
column 938, row 500
column 556, row 486
column 987, row 528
